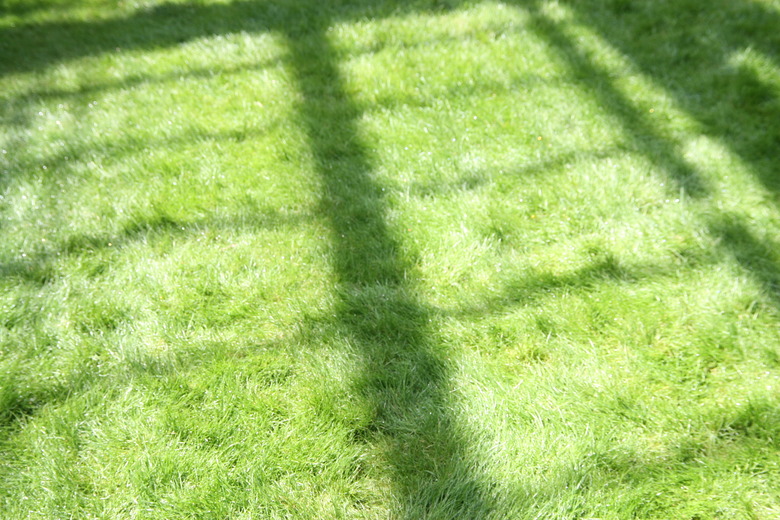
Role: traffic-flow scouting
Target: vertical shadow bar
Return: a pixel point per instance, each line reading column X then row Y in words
column 404, row 380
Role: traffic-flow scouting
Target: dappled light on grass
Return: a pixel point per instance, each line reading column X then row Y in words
column 400, row 259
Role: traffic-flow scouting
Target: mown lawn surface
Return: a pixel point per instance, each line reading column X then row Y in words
column 358, row 259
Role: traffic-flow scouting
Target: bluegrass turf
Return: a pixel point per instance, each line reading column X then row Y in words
column 425, row 259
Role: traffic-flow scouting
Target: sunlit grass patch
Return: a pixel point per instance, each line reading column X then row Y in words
column 428, row 259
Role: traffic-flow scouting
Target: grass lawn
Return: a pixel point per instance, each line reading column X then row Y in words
column 387, row 259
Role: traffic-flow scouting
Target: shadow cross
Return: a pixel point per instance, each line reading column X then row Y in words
column 404, row 379
column 755, row 105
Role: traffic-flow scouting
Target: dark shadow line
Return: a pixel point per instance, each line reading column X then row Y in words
column 32, row 47
column 679, row 48
column 533, row 287
column 404, row 379
column 480, row 88
column 163, row 26
column 37, row 266
column 480, row 177
column 733, row 232
column 635, row 126
column 142, row 80
column 171, row 24
column 115, row 150
column 754, row 255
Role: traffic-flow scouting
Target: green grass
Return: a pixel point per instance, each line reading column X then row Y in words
column 399, row 259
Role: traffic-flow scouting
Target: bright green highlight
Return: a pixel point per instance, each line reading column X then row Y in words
column 383, row 259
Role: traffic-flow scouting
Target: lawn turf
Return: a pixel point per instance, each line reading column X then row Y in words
column 359, row 259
